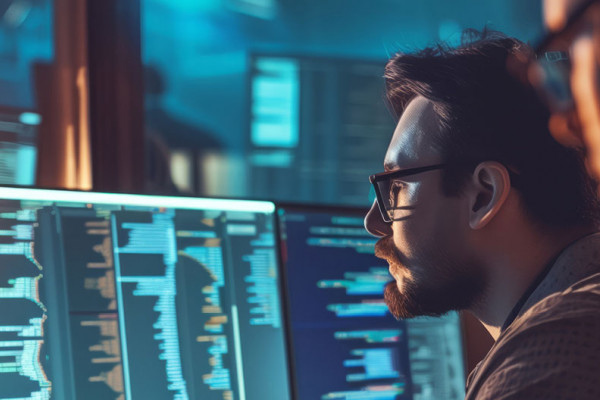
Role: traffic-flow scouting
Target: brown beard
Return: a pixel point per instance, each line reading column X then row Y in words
column 446, row 287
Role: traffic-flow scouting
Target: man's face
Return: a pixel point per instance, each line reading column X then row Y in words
column 427, row 249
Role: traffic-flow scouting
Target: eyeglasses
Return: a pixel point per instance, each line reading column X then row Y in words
column 550, row 70
column 387, row 187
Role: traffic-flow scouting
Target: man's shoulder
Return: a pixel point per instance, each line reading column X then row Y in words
column 573, row 312
column 582, row 299
column 551, row 351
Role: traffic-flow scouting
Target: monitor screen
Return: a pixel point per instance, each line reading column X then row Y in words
column 112, row 296
column 300, row 105
column 344, row 342
column 18, row 146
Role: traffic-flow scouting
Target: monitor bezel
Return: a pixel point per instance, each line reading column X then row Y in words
column 183, row 201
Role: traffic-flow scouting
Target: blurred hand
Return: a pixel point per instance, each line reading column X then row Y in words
column 581, row 129
column 557, row 11
column 586, row 94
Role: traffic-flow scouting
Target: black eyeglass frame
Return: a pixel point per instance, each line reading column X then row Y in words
column 514, row 179
column 396, row 175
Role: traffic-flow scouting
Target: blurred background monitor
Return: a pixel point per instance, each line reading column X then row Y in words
column 284, row 99
column 18, row 146
column 316, row 125
column 112, row 296
column 344, row 343
column 26, row 41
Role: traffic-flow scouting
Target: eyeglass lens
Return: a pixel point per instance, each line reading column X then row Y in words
column 551, row 73
column 390, row 191
column 554, row 71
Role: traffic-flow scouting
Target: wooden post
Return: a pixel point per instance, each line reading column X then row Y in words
column 64, row 156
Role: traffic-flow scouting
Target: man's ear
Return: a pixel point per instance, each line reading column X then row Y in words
column 490, row 188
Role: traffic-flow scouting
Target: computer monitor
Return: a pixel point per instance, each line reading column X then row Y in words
column 114, row 296
column 344, row 343
column 18, row 145
column 300, row 105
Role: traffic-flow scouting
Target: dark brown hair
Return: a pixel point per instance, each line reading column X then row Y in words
column 486, row 113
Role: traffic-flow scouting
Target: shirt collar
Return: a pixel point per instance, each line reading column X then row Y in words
column 573, row 263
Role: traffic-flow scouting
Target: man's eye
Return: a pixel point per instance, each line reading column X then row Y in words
column 395, row 188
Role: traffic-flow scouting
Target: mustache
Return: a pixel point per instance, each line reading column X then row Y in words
column 385, row 249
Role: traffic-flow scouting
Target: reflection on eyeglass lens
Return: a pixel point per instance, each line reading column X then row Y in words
column 551, row 77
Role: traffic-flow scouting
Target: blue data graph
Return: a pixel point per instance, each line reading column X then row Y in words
column 23, row 371
column 153, row 238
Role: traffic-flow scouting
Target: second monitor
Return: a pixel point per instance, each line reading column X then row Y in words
column 344, row 342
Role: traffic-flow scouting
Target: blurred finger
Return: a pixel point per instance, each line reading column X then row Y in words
column 566, row 130
column 584, row 83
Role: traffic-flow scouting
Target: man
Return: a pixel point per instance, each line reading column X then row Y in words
column 480, row 209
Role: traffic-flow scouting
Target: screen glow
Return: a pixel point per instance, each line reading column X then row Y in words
column 135, row 200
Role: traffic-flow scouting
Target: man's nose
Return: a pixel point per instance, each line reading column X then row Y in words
column 374, row 223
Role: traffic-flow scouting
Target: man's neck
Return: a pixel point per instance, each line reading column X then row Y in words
column 515, row 269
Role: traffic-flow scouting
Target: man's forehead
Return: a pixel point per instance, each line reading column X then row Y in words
column 411, row 145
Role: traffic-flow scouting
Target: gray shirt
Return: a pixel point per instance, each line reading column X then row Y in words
column 552, row 348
